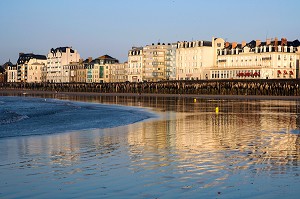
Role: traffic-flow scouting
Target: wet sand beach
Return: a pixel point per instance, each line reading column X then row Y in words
column 249, row 149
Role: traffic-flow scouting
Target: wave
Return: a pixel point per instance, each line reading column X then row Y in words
column 9, row 117
column 24, row 116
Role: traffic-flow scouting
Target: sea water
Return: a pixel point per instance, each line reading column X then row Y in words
column 249, row 149
column 23, row 116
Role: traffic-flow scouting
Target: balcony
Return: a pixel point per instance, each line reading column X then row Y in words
column 266, row 58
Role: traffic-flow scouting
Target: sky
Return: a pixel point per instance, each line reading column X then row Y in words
column 99, row 27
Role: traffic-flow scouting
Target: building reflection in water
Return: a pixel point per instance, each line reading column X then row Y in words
column 189, row 141
column 242, row 135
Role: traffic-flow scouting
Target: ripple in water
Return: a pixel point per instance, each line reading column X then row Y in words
column 245, row 151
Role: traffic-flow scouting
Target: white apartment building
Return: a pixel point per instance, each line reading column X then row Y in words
column 56, row 59
column 12, row 73
column 258, row 60
column 194, row 59
column 26, row 65
column 134, row 68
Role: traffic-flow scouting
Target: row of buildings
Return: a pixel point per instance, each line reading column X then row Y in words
column 187, row 60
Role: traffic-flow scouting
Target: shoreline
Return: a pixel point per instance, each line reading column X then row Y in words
column 120, row 119
column 25, row 92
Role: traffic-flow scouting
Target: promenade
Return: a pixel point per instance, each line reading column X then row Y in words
column 202, row 87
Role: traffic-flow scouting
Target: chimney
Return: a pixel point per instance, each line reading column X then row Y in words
column 244, row 44
column 276, row 44
column 283, row 42
column 234, row 45
column 227, row 44
column 257, row 43
column 90, row 59
column 268, row 41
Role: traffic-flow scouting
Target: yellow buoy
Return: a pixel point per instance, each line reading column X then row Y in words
column 217, row 109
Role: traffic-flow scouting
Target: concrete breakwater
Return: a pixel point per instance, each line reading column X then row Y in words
column 202, row 87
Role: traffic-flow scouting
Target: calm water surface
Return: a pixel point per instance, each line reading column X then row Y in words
column 250, row 149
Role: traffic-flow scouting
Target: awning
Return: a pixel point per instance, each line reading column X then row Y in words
column 279, row 72
column 285, row 72
column 291, row 73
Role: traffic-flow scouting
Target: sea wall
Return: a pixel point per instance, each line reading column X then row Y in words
column 204, row 87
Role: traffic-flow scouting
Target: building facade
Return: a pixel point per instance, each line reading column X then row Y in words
column 81, row 75
column 194, row 59
column 97, row 70
column 35, row 71
column 117, row 72
column 155, row 62
column 56, row 59
column 272, row 59
column 134, row 68
column 171, row 62
column 25, row 65
column 10, row 72
column 70, row 72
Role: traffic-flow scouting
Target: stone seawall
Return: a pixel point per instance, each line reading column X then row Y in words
column 203, row 87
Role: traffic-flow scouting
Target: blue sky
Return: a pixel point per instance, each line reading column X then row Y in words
column 98, row 27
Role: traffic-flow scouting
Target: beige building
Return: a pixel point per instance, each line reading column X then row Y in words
column 155, row 62
column 35, row 71
column 135, row 65
column 10, row 72
column 272, row 59
column 27, row 64
column 56, row 59
column 97, row 70
column 194, row 59
column 117, row 72
column 70, row 71
column 80, row 74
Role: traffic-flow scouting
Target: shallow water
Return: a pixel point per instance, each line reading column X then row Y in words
column 250, row 149
column 23, row 116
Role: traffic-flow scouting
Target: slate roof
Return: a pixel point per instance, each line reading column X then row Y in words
column 61, row 49
column 7, row 64
column 252, row 44
column 107, row 59
column 26, row 57
column 2, row 70
column 207, row 43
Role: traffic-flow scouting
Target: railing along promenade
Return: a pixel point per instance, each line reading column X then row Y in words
column 289, row 87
